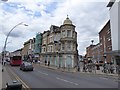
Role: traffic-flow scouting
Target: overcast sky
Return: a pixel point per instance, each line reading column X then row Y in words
column 88, row 17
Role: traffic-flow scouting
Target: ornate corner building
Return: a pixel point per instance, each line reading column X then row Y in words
column 59, row 45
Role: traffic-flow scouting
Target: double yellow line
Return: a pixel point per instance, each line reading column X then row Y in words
column 26, row 87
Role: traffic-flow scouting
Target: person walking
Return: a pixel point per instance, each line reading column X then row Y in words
column 48, row 63
column 4, row 62
column 45, row 62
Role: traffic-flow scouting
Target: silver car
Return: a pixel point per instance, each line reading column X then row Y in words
column 26, row 66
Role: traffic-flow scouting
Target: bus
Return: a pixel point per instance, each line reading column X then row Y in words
column 15, row 60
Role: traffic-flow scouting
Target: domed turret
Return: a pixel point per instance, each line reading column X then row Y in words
column 67, row 21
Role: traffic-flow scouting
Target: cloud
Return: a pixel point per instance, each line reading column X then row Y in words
column 88, row 17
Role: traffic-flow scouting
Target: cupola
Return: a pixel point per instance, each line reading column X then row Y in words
column 67, row 21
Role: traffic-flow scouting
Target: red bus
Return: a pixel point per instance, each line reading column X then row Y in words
column 16, row 60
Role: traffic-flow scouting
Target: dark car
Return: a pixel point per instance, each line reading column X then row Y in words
column 26, row 66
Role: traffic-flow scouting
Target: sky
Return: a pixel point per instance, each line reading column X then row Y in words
column 89, row 17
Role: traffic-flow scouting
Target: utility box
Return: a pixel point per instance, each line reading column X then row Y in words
column 13, row 86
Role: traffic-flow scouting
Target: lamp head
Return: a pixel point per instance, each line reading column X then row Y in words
column 25, row 25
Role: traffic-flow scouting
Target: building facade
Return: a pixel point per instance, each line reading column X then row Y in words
column 28, row 49
column 16, row 53
column 115, row 29
column 105, row 43
column 97, row 53
column 59, row 45
column 38, row 44
column 89, row 52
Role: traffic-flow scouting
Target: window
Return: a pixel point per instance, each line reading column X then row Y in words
column 44, row 42
column 44, row 50
column 48, row 48
column 62, row 46
column 108, row 31
column 63, row 33
column 109, row 47
column 73, row 48
column 51, row 39
column 51, row 48
column 69, row 45
column 68, row 33
column 109, row 38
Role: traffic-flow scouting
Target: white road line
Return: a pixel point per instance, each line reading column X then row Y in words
column 66, row 81
column 103, row 78
column 42, row 73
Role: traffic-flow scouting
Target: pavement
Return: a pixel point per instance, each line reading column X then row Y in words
column 95, row 72
column 5, row 77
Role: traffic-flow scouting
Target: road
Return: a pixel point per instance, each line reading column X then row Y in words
column 43, row 77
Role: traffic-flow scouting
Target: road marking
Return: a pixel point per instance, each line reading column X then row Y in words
column 42, row 73
column 66, row 81
column 103, row 78
column 26, row 87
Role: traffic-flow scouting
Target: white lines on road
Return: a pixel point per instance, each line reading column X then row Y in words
column 66, row 81
column 103, row 78
column 42, row 73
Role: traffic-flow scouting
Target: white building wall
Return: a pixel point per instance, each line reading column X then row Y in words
column 119, row 25
column 115, row 28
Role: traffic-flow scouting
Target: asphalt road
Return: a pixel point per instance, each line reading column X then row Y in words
column 43, row 77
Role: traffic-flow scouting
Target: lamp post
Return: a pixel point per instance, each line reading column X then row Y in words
column 10, row 32
column 104, row 63
column 4, row 48
column 92, row 41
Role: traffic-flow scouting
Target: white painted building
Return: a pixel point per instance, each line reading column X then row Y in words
column 115, row 28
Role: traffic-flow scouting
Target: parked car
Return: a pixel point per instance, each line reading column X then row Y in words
column 26, row 66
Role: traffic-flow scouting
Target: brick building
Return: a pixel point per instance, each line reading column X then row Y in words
column 105, row 42
column 97, row 52
column 89, row 51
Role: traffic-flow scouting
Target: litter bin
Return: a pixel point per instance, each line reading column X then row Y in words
column 13, row 86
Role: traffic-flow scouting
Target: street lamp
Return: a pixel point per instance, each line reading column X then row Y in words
column 4, row 48
column 104, row 63
column 4, row 0
column 104, row 59
column 92, row 41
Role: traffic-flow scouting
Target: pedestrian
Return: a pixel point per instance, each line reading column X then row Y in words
column 38, row 61
column 45, row 62
column 112, row 69
column 48, row 63
column 4, row 62
column 78, row 68
column 33, row 61
column 84, row 68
